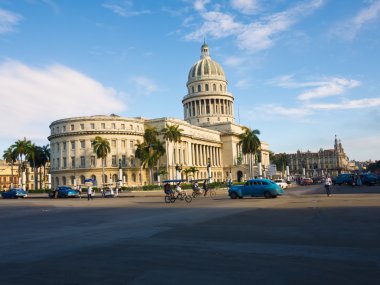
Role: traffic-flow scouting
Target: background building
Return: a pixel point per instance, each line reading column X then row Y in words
column 210, row 136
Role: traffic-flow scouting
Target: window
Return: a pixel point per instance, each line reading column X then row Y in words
column 199, row 88
column 124, row 160
column 72, row 161
column 206, row 87
column 113, row 143
column 114, row 160
column 82, row 162
column 82, row 144
column 133, row 177
column 214, row 87
column 64, row 180
column 92, row 126
column 113, row 126
column 93, row 161
column 82, row 178
column 58, row 164
column 123, row 144
column 64, row 162
column 131, row 127
column 123, row 126
column 64, row 146
column 131, row 144
column 138, row 128
column 82, row 127
column 73, row 145
column 72, row 178
column 192, row 89
column 64, row 129
column 72, row 127
column 103, row 125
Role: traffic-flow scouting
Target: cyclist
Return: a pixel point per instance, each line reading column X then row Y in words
column 205, row 188
column 196, row 188
column 168, row 190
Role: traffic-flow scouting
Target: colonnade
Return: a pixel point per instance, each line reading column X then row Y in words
column 201, row 154
column 208, row 107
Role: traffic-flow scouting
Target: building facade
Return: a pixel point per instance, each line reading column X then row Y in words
column 310, row 164
column 209, row 139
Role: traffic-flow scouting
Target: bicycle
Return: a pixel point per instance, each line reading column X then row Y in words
column 171, row 198
column 210, row 192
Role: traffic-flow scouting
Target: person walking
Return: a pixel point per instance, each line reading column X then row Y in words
column 328, row 183
column 89, row 193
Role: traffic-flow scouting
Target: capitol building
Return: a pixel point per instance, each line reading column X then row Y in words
column 209, row 138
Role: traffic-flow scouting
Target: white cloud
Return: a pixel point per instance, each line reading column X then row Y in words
column 243, row 84
column 254, row 36
column 8, row 21
column 332, row 87
column 144, row 85
column 234, row 61
column 245, row 6
column 349, row 29
column 125, row 9
column 348, row 104
column 199, row 5
column 275, row 111
column 31, row 98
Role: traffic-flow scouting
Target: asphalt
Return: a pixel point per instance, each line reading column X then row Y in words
column 303, row 237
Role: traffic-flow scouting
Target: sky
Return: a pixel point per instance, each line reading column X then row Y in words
column 301, row 71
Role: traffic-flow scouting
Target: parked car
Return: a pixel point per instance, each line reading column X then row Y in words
column 109, row 193
column 369, row 178
column 307, row 181
column 64, row 192
column 344, row 178
column 281, row 183
column 14, row 193
column 255, row 188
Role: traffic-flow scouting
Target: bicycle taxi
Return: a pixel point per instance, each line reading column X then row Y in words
column 173, row 191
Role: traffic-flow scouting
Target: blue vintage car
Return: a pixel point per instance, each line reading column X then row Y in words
column 256, row 188
column 64, row 192
column 344, row 178
column 14, row 193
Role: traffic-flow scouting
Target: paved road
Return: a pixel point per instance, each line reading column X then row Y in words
column 303, row 237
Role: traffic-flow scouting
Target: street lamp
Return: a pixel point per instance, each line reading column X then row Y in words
column 178, row 169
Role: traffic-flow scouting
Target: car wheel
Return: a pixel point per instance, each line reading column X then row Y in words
column 233, row 195
column 267, row 195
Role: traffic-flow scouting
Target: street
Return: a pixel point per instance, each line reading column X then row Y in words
column 302, row 237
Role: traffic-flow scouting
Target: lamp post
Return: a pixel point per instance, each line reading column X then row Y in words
column 178, row 169
column 209, row 170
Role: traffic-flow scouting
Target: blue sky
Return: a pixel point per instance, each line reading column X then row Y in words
column 300, row 71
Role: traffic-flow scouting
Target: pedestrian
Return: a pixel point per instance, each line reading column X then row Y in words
column 328, row 183
column 89, row 193
column 205, row 188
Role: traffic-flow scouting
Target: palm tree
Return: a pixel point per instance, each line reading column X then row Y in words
column 10, row 156
column 101, row 148
column 250, row 144
column 282, row 159
column 35, row 156
column 21, row 149
column 150, row 151
column 172, row 133
column 192, row 170
column 45, row 160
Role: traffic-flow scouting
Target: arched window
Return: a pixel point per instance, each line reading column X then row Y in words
column 192, row 89
column 82, row 178
column 72, row 180
column 64, row 180
column 206, row 87
column 140, row 178
column 220, row 87
column 133, row 177
column 214, row 87
column 199, row 88
column 114, row 178
column 56, row 181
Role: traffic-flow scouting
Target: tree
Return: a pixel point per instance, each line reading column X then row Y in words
column 21, row 149
column 101, row 148
column 10, row 156
column 45, row 160
column 250, row 144
column 192, row 170
column 281, row 161
column 172, row 133
column 34, row 156
column 150, row 151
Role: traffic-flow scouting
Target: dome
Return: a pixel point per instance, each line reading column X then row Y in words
column 206, row 68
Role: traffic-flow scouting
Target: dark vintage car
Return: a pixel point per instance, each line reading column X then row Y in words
column 307, row 181
column 14, row 193
column 64, row 192
column 369, row 178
